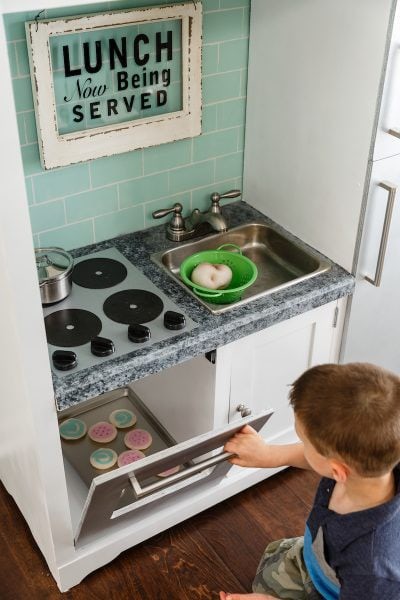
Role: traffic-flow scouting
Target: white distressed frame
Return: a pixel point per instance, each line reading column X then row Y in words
column 59, row 150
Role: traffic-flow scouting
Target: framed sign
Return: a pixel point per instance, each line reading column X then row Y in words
column 112, row 82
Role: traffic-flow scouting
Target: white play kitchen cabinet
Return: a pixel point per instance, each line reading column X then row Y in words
column 191, row 403
column 80, row 526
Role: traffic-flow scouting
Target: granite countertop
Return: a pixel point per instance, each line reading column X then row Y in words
column 213, row 330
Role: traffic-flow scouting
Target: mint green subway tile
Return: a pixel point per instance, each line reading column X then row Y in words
column 69, row 236
column 21, row 128
column 116, row 168
column 149, row 207
column 224, row 25
column 229, row 166
column 29, row 190
column 47, row 216
column 22, row 58
column 215, row 144
column 61, row 182
column 235, row 3
column 209, row 118
column 243, row 82
column 166, row 156
column 201, row 197
column 30, row 127
column 82, row 9
column 233, row 55
column 91, row 204
column 23, row 94
column 241, row 138
column 118, row 223
column 221, row 87
column 121, row 4
column 31, row 159
column 239, row 186
column 143, row 189
column 246, row 19
column 191, row 177
column 14, row 24
column 231, row 113
column 210, row 59
column 209, row 5
column 36, row 242
column 12, row 57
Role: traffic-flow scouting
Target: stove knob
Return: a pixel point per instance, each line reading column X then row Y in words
column 174, row 320
column 101, row 346
column 138, row 333
column 64, row 360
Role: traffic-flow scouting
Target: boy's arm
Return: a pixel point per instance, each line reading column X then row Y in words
column 252, row 451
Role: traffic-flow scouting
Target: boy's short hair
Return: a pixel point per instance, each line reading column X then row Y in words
column 351, row 411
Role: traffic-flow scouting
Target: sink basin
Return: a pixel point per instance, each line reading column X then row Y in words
column 281, row 262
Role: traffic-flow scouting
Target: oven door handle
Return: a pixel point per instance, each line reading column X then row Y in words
column 140, row 491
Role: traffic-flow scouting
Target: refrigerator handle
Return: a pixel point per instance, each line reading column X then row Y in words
column 392, row 190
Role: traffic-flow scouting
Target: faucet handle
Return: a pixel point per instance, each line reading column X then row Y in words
column 177, row 223
column 216, row 197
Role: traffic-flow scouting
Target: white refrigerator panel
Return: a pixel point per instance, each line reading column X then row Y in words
column 374, row 324
column 315, row 76
column 388, row 133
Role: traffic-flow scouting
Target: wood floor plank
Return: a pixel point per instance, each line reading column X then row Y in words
column 217, row 549
column 302, row 487
column 241, row 527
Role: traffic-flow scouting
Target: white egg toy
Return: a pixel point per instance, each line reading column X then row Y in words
column 212, row 276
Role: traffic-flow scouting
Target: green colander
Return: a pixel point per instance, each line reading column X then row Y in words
column 244, row 273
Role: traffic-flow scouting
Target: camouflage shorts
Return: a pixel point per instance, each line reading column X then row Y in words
column 282, row 572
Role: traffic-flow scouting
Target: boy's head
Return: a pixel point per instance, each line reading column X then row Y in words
column 349, row 412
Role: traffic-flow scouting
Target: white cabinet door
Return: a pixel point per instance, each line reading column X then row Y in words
column 388, row 133
column 374, row 324
column 315, row 73
column 264, row 364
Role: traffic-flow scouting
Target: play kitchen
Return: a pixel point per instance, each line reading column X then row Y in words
column 136, row 446
column 144, row 351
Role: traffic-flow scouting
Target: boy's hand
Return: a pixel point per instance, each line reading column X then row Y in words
column 250, row 448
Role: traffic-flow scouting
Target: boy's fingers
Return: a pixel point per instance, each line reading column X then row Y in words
column 247, row 429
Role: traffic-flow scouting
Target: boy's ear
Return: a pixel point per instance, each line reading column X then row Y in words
column 340, row 471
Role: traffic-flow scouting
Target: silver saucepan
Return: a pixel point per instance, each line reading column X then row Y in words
column 54, row 266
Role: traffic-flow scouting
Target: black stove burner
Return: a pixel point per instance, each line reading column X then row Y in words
column 133, row 306
column 71, row 327
column 98, row 273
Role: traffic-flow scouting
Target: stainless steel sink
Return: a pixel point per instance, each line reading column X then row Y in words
column 280, row 261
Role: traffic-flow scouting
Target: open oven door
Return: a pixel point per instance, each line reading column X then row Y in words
column 119, row 492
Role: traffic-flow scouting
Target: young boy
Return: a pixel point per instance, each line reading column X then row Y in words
column 348, row 420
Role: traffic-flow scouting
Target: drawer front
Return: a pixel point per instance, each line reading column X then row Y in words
column 106, row 491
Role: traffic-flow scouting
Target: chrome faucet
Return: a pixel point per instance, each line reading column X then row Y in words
column 197, row 223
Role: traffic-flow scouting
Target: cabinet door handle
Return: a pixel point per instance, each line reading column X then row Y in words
column 244, row 410
column 391, row 189
column 140, row 491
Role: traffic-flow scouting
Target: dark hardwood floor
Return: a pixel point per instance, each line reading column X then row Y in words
column 218, row 549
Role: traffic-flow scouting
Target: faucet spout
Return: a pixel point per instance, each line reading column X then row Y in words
column 215, row 220
column 198, row 223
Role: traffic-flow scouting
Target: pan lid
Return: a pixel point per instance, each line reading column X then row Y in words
column 53, row 263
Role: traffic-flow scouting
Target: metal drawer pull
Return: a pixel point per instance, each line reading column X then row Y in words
column 394, row 132
column 244, row 410
column 392, row 189
column 159, row 485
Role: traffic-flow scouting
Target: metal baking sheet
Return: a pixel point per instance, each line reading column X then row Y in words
column 99, row 409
